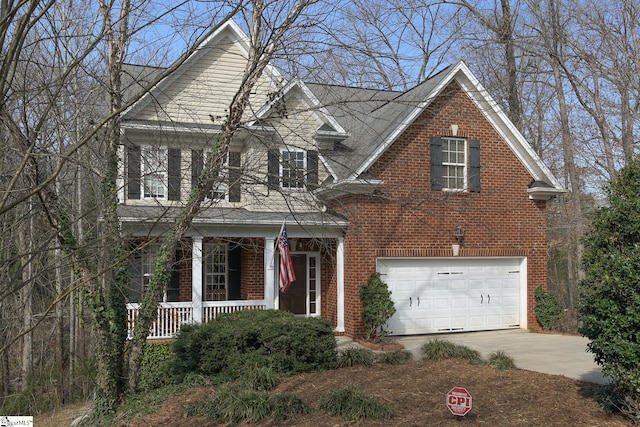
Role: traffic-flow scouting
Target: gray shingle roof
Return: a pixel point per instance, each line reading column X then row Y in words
column 369, row 116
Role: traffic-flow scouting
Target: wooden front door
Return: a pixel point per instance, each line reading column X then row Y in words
column 295, row 300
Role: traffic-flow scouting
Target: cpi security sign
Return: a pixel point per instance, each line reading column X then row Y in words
column 459, row 401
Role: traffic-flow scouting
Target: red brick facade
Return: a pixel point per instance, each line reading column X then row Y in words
column 407, row 218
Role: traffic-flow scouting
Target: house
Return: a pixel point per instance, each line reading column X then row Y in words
column 433, row 188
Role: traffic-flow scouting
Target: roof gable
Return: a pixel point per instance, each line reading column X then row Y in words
column 204, row 82
column 487, row 106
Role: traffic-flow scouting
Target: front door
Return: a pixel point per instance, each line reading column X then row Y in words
column 302, row 295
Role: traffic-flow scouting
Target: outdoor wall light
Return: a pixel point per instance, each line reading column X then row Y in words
column 459, row 233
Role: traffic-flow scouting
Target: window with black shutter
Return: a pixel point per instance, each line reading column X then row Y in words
column 292, row 169
column 455, row 164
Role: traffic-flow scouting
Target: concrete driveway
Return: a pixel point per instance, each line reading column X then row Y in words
column 548, row 353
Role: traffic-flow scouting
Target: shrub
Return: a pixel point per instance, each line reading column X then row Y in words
column 355, row 356
column 609, row 306
column 377, row 307
column 234, row 403
column 286, row 404
column 501, row 360
column 155, row 370
column 351, row 403
column 260, row 378
column 235, row 342
column 397, row 357
column 438, row 349
column 548, row 309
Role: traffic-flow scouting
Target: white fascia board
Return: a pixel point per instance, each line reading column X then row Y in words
column 507, row 130
column 328, row 166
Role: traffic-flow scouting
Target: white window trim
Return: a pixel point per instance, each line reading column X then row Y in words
column 465, row 165
column 144, row 150
column 223, row 183
column 206, row 246
column 303, row 187
column 148, row 259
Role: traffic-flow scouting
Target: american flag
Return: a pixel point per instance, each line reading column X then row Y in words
column 286, row 266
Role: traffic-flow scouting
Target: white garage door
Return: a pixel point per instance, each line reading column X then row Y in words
column 445, row 295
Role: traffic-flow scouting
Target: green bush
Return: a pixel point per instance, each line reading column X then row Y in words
column 501, row 360
column 260, row 378
column 234, row 403
column 397, row 357
column 438, row 349
column 377, row 307
column 548, row 310
column 235, row 342
column 355, row 356
column 286, row 404
column 351, row 403
column 155, row 370
column 609, row 306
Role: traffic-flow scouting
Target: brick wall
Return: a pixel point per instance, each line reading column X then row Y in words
column 407, row 218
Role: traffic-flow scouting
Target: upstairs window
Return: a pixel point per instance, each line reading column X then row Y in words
column 292, row 169
column 455, row 164
column 153, row 172
column 228, row 185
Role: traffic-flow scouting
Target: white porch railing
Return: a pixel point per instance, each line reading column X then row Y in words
column 171, row 315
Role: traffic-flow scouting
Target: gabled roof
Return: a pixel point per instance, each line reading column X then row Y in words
column 229, row 29
column 375, row 119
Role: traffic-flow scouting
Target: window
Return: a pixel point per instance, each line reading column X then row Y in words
column 293, row 167
column 154, row 172
column 454, row 163
column 214, row 271
column 141, row 266
column 227, row 186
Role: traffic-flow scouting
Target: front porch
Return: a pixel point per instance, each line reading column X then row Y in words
column 238, row 269
column 172, row 315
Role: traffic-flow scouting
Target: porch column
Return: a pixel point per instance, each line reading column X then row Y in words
column 269, row 272
column 340, row 284
column 196, row 279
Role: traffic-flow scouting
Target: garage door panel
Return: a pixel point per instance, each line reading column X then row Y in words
column 435, row 295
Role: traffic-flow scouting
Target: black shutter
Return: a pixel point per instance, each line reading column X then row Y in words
column 436, row 163
column 235, row 188
column 273, row 169
column 312, row 170
column 174, row 174
column 474, row 166
column 197, row 163
column 133, row 172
